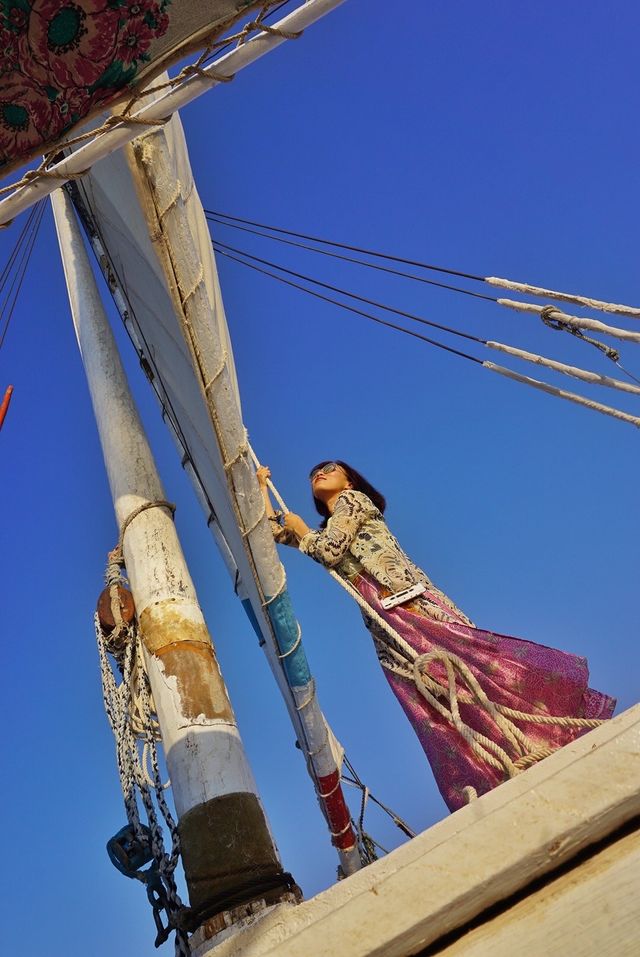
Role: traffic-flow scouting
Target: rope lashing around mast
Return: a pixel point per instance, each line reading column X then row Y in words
column 130, row 711
column 408, row 664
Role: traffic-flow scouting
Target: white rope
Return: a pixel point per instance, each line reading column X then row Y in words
column 576, row 373
column 432, row 690
column 523, row 287
column 578, row 322
column 562, row 394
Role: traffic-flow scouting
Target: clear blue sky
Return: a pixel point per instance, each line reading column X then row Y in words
column 495, row 138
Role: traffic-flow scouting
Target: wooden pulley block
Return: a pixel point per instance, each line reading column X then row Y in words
column 105, row 611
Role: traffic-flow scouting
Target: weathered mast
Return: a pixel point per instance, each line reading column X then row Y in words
column 227, row 848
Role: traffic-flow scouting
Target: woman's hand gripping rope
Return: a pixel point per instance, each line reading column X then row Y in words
column 288, row 520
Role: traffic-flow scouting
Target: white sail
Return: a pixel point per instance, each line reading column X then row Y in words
column 148, row 229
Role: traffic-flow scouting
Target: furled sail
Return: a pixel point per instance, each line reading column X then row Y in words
column 146, row 224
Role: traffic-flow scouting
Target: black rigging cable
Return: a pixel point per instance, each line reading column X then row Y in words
column 342, row 305
column 147, row 361
column 12, row 257
column 399, row 312
column 350, row 259
column 358, row 262
column 352, row 295
column 353, row 249
column 11, row 299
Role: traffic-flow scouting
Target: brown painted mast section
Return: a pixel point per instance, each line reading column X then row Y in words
column 4, row 408
column 228, row 853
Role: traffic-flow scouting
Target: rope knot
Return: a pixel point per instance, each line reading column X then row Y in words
column 549, row 315
column 552, row 317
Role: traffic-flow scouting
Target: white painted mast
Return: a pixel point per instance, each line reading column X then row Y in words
column 224, row 834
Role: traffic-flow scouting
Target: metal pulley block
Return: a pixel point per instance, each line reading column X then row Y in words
column 129, row 853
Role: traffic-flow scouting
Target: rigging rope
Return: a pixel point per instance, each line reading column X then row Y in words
column 591, row 377
column 358, row 312
column 408, row 664
column 350, row 259
column 125, row 118
column 549, row 314
column 525, row 288
column 351, row 295
column 27, row 240
column 18, row 243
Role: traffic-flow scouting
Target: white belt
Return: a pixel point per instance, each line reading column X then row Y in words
column 400, row 597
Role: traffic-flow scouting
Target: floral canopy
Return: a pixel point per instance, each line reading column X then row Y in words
column 63, row 60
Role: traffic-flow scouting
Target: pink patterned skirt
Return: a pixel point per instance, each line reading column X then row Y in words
column 511, row 671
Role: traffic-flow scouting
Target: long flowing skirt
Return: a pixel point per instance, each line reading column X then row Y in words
column 519, row 674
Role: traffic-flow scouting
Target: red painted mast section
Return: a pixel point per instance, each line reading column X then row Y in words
column 4, row 408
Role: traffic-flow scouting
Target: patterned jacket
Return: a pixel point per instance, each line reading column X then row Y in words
column 357, row 539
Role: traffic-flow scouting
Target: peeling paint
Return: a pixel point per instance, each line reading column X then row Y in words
column 185, row 650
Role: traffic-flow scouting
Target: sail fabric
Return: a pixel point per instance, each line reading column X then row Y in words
column 144, row 217
column 61, row 61
column 115, row 197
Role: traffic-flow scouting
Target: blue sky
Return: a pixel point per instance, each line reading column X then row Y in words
column 497, row 139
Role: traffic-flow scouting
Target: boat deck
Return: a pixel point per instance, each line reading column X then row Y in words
column 546, row 864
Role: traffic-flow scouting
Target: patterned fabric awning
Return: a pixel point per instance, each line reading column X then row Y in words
column 63, row 60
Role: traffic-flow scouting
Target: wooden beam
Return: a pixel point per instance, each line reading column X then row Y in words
column 472, row 860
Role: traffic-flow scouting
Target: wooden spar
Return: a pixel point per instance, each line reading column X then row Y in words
column 110, row 141
column 4, row 408
column 223, row 829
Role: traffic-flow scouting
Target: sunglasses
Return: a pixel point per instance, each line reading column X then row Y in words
column 324, row 470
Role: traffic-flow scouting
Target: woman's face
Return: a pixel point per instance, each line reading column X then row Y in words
column 328, row 481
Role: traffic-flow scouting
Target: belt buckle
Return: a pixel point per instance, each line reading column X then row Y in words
column 400, row 597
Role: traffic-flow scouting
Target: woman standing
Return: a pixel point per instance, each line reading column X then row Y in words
column 355, row 541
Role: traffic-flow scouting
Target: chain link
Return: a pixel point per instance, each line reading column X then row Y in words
column 121, row 703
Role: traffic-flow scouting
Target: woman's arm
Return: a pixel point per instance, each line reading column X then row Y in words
column 263, row 474
column 330, row 545
column 293, row 527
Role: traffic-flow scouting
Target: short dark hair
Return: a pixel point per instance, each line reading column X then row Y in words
column 359, row 483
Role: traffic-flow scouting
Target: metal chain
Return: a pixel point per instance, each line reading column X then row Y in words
column 118, row 700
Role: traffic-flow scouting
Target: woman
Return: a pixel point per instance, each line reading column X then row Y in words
column 355, row 541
